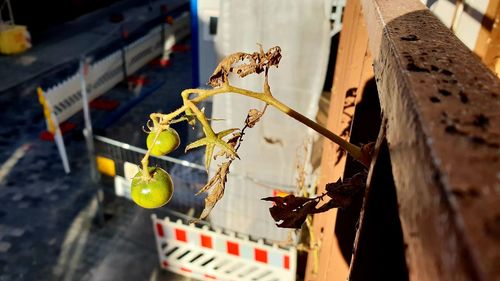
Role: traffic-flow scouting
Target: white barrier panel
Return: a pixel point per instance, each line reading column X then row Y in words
column 201, row 253
column 65, row 98
column 122, row 187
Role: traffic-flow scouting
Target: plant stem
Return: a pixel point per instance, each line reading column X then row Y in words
column 164, row 119
column 354, row 150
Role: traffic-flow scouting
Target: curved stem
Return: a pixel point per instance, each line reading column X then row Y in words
column 145, row 161
column 201, row 117
column 190, row 104
column 354, row 150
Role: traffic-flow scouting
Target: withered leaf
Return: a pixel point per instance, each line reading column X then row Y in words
column 216, row 185
column 342, row 192
column 256, row 62
column 253, row 117
column 219, row 76
column 291, row 211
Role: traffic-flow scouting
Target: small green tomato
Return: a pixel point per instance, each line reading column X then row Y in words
column 167, row 141
column 154, row 192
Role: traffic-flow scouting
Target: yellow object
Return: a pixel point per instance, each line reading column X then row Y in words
column 46, row 110
column 106, row 166
column 14, row 39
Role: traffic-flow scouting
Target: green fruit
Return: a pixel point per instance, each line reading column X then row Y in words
column 167, row 141
column 153, row 192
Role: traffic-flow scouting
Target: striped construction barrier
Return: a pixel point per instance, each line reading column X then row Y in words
column 64, row 99
column 206, row 254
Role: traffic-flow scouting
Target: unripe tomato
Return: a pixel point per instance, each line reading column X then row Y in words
column 154, row 192
column 167, row 141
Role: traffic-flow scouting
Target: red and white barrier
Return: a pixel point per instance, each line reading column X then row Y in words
column 206, row 254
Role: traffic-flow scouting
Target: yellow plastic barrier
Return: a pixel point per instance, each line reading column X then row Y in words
column 106, row 166
column 14, row 39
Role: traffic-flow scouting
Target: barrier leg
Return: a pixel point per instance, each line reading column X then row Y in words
column 61, row 148
column 89, row 139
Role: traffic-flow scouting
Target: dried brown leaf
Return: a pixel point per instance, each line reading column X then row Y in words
column 244, row 64
column 291, row 211
column 342, row 192
column 219, row 76
column 216, row 186
column 253, row 117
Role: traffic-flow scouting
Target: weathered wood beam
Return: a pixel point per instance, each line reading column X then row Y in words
column 443, row 110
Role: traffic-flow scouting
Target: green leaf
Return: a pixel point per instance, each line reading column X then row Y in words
column 198, row 143
column 224, row 133
column 208, row 155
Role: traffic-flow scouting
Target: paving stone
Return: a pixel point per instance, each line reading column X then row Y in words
column 17, row 197
column 17, row 232
column 6, row 277
column 4, row 246
column 23, row 205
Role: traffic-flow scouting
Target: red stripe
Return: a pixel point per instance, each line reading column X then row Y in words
column 186, row 269
column 206, row 241
column 286, row 262
column 210, row 276
column 260, row 255
column 233, row 248
column 159, row 229
column 181, row 235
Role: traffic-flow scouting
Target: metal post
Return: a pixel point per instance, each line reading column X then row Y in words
column 9, row 10
column 58, row 138
column 89, row 138
column 11, row 15
column 124, row 36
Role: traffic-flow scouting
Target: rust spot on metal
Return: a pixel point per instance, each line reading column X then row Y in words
column 481, row 121
column 463, row 97
column 466, row 194
column 411, row 66
column 478, row 140
column 410, row 37
column 444, row 92
column 434, row 99
column 452, row 129
column 446, row 71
